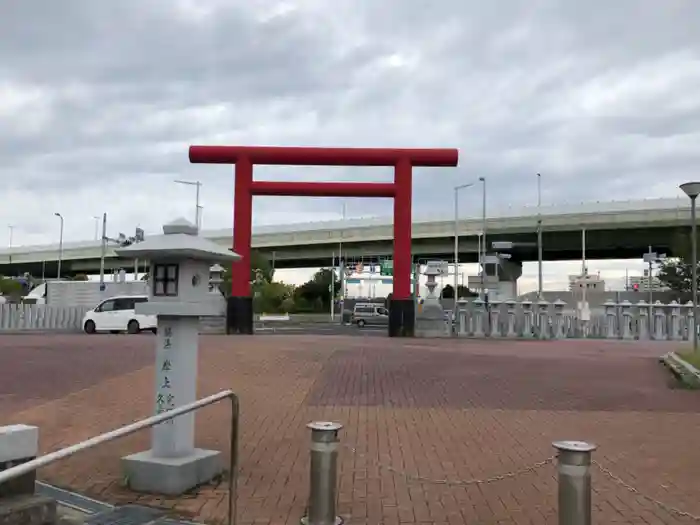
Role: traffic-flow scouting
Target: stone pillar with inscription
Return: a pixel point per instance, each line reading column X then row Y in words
column 179, row 263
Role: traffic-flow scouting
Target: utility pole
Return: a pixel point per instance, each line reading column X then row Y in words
column 650, row 258
column 97, row 226
column 456, row 254
column 332, row 286
column 482, row 256
column 341, row 261
column 583, row 310
column 60, row 246
column 584, row 268
column 103, row 252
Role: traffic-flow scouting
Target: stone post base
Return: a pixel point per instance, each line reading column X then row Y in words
column 430, row 321
column 170, row 476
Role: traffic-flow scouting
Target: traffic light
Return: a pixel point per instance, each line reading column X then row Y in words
column 635, row 287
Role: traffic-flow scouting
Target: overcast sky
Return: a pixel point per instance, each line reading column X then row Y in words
column 99, row 101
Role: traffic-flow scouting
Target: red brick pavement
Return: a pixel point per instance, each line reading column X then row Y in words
column 435, row 408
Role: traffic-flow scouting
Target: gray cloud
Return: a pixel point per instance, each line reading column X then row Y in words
column 99, row 101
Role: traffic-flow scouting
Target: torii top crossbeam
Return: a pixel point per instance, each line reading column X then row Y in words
column 301, row 156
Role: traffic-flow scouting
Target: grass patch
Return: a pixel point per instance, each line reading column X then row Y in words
column 681, row 378
column 690, row 357
column 681, row 383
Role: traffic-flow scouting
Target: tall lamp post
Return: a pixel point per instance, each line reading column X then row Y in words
column 341, row 263
column 97, row 225
column 197, row 214
column 692, row 190
column 456, row 285
column 60, row 246
column 539, row 236
column 12, row 230
column 482, row 256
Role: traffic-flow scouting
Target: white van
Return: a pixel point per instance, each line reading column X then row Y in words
column 117, row 314
column 367, row 314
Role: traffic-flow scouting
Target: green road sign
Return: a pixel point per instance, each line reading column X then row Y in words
column 387, row 267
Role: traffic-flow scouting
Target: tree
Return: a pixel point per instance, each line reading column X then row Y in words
column 272, row 297
column 260, row 271
column 315, row 295
column 678, row 276
column 9, row 286
column 677, row 272
column 463, row 292
column 261, row 267
column 448, row 292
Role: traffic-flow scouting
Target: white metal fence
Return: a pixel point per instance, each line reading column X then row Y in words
column 544, row 320
column 38, row 317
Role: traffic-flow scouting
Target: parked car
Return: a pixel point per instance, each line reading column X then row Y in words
column 366, row 314
column 117, row 314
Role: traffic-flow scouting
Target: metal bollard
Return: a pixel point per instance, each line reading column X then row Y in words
column 324, row 474
column 574, row 467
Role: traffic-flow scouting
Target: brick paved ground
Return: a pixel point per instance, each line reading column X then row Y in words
column 436, row 408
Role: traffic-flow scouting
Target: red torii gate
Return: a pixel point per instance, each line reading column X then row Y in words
column 240, row 304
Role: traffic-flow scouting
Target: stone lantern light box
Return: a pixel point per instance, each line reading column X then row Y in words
column 180, row 263
column 179, row 267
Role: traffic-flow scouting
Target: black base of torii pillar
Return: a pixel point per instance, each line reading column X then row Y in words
column 239, row 315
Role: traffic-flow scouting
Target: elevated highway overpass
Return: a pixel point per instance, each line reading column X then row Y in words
column 614, row 230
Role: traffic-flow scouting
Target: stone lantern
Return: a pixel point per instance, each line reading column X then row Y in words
column 179, row 266
column 216, row 278
column 430, row 321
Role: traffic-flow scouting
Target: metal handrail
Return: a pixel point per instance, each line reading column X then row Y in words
column 126, row 430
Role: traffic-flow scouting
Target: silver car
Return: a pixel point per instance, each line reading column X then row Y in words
column 370, row 314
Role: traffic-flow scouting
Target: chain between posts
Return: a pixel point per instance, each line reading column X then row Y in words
column 527, row 470
column 459, row 482
column 668, row 508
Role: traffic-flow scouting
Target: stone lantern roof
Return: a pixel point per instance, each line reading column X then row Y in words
column 179, row 241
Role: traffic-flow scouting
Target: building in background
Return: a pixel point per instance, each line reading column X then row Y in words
column 641, row 283
column 592, row 283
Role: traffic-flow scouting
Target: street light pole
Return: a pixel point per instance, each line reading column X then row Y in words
column 197, row 213
column 651, row 258
column 692, row 190
column 539, row 236
column 332, row 286
column 103, row 252
column 60, row 246
column 12, row 229
column 97, row 225
column 482, row 256
column 456, row 276
column 341, row 262
column 694, row 247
